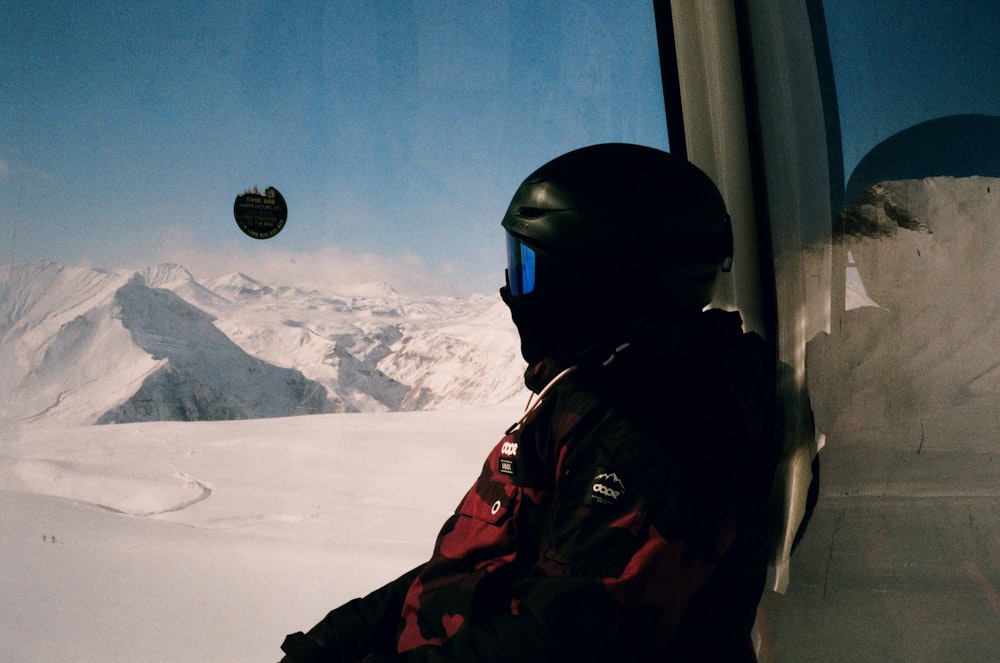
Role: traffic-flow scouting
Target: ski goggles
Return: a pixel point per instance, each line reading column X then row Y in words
column 521, row 266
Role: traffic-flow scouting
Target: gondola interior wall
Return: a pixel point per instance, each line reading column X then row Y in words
column 859, row 146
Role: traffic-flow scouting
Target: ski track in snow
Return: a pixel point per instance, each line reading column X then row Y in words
column 63, row 479
column 206, row 492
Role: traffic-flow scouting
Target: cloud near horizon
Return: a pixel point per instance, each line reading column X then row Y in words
column 326, row 267
column 323, row 267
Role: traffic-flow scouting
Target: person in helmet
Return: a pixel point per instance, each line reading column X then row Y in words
column 608, row 236
column 622, row 517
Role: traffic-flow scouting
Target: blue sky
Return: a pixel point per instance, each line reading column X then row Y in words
column 396, row 131
column 898, row 63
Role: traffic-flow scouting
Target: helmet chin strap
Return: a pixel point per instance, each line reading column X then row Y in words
column 534, row 401
column 614, row 354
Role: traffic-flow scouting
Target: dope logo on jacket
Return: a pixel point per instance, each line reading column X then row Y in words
column 508, row 455
column 607, row 488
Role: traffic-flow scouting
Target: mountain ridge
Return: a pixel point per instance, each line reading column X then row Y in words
column 83, row 346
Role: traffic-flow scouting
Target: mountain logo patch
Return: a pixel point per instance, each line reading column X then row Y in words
column 607, row 488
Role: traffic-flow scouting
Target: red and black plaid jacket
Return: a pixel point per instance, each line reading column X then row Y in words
column 621, row 519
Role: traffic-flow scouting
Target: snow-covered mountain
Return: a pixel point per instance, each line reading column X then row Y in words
column 81, row 346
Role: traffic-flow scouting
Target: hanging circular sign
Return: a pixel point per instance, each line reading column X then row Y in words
column 260, row 215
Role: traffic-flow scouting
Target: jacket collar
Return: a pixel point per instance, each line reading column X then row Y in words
column 701, row 338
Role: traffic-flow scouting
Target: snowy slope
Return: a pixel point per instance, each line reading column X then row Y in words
column 464, row 363
column 205, row 376
column 209, row 541
column 81, row 346
column 65, row 357
column 359, row 341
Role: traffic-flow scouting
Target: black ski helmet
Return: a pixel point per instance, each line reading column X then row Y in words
column 608, row 234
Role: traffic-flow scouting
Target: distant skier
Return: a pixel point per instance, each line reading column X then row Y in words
column 622, row 518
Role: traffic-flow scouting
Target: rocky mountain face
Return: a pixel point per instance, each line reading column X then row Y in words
column 203, row 374
column 86, row 346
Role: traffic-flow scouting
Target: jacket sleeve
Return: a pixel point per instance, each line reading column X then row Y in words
column 354, row 630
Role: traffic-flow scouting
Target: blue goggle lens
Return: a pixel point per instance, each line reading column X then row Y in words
column 520, row 267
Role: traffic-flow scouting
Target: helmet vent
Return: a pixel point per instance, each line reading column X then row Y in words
column 531, row 212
